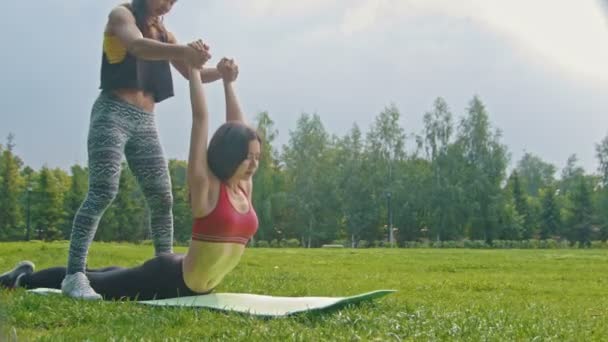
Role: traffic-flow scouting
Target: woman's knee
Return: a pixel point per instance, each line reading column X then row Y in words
column 160, row 201
column 99, row 198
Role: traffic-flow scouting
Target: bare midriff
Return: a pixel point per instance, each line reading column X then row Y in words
column 207, row 263
column 137, row 98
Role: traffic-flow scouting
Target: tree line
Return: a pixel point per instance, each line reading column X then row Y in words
column 449, row 182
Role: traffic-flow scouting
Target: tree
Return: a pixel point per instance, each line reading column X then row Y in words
column 48, row 205
column 352, row 186
column 74, row 197
column 550, row 216
column 486, row 160
column 11, row 211
column 522, row 206
column 267, row 181
column 445, row 183
column 385, row 147
column 570, row 175
column 582, row 213
column 535, row 174
column 510, row 222
column 304, row 156
column 601, row 152
column 182, row 215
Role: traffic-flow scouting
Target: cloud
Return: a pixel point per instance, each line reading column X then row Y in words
column 363, row 16
column 565, row 33
column 571, row 34
column 261, row 8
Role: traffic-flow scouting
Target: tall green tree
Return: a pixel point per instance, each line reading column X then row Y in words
column 582, row 213
column 48, row 208
column 74, row 197
column 550, row 224
column 570, row 175
column 352, row 186
column 267, row 181
column 412, row 200
column 510, row 222
column 11, row 185
column 535, row 174
column 522, row 206
column 601, row 152
column 445, row 184
column 385, row 146
column 182, row 214
column 303, row 157
column 486, row 158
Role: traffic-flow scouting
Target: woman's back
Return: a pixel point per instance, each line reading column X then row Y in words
column 219, row 239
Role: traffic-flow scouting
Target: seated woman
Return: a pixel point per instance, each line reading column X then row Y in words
column 220, row 184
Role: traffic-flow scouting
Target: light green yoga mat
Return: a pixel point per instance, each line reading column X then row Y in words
column 258, row 305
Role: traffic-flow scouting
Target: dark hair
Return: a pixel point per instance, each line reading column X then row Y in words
column 228, row 147
column 140, row 12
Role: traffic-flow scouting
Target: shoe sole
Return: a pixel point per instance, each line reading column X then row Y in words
column 19, row 270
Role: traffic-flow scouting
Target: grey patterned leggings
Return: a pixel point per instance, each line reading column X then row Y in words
column 119, row 129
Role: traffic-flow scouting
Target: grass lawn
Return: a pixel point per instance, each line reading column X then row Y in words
column 443, row 294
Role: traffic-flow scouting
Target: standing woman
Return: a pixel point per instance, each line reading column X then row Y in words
column 135, row 75
column 220, row 184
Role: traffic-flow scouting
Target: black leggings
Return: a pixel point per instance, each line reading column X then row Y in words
column 158, row 278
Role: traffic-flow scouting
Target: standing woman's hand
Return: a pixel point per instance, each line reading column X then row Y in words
column 197, row 54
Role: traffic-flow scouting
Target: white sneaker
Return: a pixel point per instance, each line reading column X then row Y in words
column 77, row 285
column 9, row 279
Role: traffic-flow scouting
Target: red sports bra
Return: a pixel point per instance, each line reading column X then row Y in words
column 224, row 223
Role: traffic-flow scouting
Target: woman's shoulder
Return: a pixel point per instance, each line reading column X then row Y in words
column 122, row 11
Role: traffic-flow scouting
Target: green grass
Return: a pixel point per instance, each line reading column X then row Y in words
column 443, row 294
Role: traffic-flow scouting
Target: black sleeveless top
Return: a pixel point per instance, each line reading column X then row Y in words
column 152, row 77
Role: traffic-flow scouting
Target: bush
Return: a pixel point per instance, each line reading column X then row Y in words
column 262, row 244
column 293, row 243
column 475, row 244
column 409, row 244
column 182, row 243
column 332, row 246
column 599, row 244
column 549, row 244
column 362, row 244
column 380, row 244
column 563, row 244
column 452, row 244
column 496, row 244
column 274, row 243
column 341, row 242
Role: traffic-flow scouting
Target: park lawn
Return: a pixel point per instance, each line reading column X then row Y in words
column 443, row 294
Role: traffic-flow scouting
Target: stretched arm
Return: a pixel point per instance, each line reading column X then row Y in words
column 233, row 109
column 229, row 71
column 208, row 75
column 121, row 23
column 198, row 170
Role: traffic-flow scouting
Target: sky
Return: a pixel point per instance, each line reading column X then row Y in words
column 539, row 66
